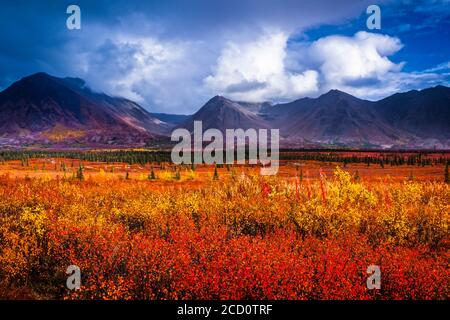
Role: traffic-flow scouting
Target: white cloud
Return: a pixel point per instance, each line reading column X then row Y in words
column 268, row 69
column 440, row 67
column 361, row 56
column 256, row 71
column 173, row 61
column 151, row 59
column 179, row 76
column 122, row 62
column 161, row 75
column 360, row 65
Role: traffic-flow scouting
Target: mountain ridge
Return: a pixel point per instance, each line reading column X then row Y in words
column 33, row 106
column 46, row 110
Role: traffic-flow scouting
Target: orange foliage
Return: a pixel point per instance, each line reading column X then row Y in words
column 242, row 237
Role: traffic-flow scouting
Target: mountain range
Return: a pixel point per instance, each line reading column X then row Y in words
column 45, row 111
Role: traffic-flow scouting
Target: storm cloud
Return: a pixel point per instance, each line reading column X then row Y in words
column 172, row 56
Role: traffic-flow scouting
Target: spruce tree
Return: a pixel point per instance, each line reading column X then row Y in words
column 446, row 174
column 216, row 174
column 152, row 176
column 80, row 174
column 357, row 177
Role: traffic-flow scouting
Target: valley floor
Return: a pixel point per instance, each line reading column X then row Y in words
column 311, row 232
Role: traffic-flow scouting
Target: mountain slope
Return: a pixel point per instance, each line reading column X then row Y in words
column 221, row 113
column 335, row 118
column 404, row 120
column 424, row 113
column 41, row 108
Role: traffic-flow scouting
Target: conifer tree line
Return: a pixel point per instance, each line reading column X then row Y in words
column 124, row 156
column 391, row 159
column 144, row 157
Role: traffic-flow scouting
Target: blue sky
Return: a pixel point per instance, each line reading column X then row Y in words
column 173, row 55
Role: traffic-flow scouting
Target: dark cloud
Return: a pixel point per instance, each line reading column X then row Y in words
column 34, row 37
column 158, row 52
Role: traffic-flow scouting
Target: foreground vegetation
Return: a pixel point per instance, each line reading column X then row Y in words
column 239, row 236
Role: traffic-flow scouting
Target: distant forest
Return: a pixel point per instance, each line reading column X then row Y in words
column 143, row 157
